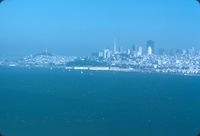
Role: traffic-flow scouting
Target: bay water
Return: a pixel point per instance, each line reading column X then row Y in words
column 43, row 102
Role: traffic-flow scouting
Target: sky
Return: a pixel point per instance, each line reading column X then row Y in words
column 80, row 27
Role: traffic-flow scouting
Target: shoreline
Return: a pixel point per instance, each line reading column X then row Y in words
column 111, row 69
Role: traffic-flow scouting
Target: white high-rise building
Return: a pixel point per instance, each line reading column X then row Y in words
column 139, row 53
column 150, row 47
column 115, row 47
column 149, row 50
column 128, row 51
column 106, row 54
column 101, row 54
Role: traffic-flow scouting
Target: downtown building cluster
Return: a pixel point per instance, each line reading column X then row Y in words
column 136, row 51
column 136, row 59
column 148, row 59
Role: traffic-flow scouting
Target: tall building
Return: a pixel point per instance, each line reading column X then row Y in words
column 100, row 54
column 128, row 52
column 106, row 54
column 120, row 50
column 150, row 47
column 134, row 48
column 139, row 52
column 115, row 46
column 149, row 50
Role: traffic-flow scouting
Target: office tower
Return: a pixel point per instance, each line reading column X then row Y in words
column 128, row 52
column 100, row 54
column 120, row 50
column 150, row 46
column 139, row 52
column 106, row 54
column 149, row 50
column 134, row 48
column 115, row 47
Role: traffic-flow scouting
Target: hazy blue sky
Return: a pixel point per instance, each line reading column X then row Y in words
column 79, row 27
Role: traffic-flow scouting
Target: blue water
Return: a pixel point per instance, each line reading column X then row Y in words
column 42, row 102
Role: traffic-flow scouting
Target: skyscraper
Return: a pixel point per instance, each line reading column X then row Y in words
column 128, row 52
column 106, row 54
column 139, row 53
column 101, row 54
column 115, row 46
column 150, row 47
column 134, row 48
column 149, row 50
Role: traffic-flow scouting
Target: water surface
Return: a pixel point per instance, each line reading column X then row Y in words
column 43, row 102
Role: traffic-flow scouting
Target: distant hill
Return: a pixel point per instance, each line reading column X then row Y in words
column 45, row 53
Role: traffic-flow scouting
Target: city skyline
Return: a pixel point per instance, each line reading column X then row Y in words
column 80, row 27
column 137, row 59
column 143, row 48
column 99, row 67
